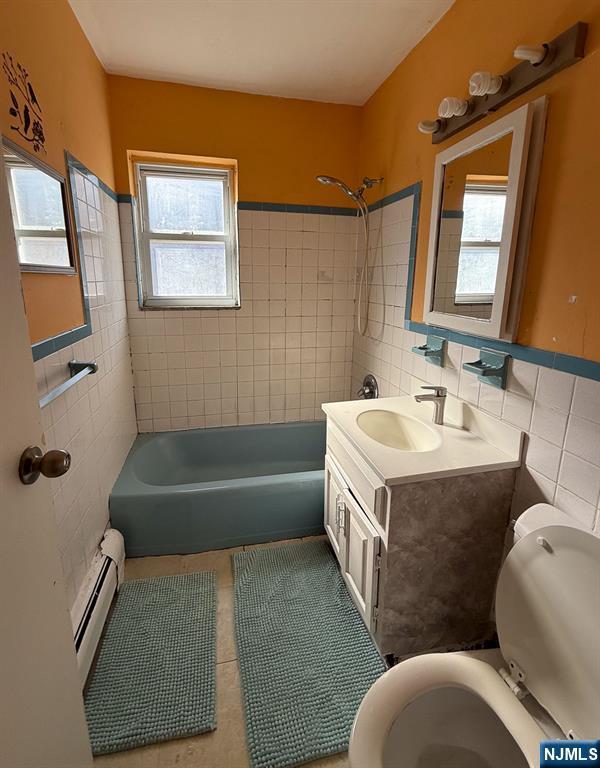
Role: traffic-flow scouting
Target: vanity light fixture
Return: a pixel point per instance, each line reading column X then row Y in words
column 452, row 106
column 489, row 91
column 484, row 83
column 431, row 126
column 534, row 54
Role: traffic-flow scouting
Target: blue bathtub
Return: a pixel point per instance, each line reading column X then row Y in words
column 201, row 489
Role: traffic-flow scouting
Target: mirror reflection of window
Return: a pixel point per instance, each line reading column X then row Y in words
column 483, row 209
column 470, row 230
column 38, row 212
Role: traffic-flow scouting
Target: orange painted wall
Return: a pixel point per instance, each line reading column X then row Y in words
column 563, row 259
column 70, row 85
column 280, row 144
column 491, row 160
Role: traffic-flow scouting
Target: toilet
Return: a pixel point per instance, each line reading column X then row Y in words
column 492, row 708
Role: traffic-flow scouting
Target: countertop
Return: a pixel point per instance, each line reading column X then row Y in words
column 471, row 440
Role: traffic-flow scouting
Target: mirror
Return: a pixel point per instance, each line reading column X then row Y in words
column 39, row 212
column 52, row 279
column 470, row 230
column 479, row 230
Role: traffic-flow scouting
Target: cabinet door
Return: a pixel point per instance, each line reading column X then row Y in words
column 360, row 559
column 334, row 506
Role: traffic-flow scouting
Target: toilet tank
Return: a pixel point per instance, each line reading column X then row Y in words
column 539, row 516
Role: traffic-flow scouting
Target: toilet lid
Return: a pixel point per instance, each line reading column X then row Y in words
column 548, row 617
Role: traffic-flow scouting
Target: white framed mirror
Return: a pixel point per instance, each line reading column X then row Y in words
column 482, row 209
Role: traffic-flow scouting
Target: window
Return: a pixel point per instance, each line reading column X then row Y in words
column 39, row 218
column 187, row 237
column 483, row 210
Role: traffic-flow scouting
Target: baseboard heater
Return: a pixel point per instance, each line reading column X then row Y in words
column 98, row 592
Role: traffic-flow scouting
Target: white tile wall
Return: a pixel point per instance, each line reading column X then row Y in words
column 286, row 351
column 291, row 346
column 559, row 412
column 94, row 421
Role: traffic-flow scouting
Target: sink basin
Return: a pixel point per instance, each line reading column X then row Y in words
column 398, row 431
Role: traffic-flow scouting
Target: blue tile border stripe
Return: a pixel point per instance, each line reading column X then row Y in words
column 578, row 366
column 412, row 189
column 415, row 190
column 73, row 162
column 55, row 343
column 568, row 363
column 245, row 205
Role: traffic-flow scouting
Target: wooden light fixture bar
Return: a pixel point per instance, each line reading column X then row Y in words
column 562, row 52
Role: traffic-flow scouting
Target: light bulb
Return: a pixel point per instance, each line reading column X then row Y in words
column 534, row 54
column 430, row 126
column 484, row 83
column 451, row 106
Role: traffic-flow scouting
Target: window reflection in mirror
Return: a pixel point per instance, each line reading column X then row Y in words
column 37, row 201
column 470, row 230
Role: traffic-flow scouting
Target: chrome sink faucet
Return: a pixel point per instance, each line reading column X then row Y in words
column 438, row 398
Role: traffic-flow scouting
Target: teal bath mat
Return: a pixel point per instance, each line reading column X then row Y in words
column 306, row 658
column 155, row 675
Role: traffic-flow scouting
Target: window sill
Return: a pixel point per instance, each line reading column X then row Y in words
column 163, row 306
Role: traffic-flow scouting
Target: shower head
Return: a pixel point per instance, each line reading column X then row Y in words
column 357, row 196
column 337, row 183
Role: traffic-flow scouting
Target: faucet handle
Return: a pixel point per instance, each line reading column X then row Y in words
column 438, row 391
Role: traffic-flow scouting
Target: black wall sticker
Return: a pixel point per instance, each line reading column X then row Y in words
column 24, row 107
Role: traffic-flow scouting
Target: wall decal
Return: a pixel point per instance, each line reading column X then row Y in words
column 24, row 107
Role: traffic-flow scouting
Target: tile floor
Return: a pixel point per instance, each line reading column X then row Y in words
column 226, row 746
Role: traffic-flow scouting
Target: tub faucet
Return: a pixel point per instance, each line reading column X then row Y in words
column 438, row 398
column 369, row 389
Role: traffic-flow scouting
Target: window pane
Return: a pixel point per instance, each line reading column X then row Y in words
column 477, row 269
column 38, row 200
column 44, row 251
column 177, row 205
column 483, row 216
column 188, row 268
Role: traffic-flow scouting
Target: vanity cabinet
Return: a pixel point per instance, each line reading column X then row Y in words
column 354, row 540
column 420, row 559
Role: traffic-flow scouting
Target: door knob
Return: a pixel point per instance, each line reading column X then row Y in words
column 50, row 464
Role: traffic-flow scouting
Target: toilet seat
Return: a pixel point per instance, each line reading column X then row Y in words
column 410, row 679
column 548, row 615
column 548, row 620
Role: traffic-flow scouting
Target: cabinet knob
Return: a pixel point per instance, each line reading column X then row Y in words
column 34, row 462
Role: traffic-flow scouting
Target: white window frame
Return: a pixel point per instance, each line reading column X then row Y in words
column 228, row 237
column 479, row 298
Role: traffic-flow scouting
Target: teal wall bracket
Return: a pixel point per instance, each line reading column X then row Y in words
column 491, row 368
column 433, row 350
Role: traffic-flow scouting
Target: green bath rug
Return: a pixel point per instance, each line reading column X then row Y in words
column 306, row 658
column 155, row 675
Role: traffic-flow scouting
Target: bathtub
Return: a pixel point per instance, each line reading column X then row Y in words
column 201, row 489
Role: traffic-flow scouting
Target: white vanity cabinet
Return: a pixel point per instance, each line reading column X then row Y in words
column 419, row 538
column 360, row 560
column 334, row 504
column 354, row 540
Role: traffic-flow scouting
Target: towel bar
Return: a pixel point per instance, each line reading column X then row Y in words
column 77, row 372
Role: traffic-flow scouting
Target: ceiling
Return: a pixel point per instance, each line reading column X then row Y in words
column 326, row 50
